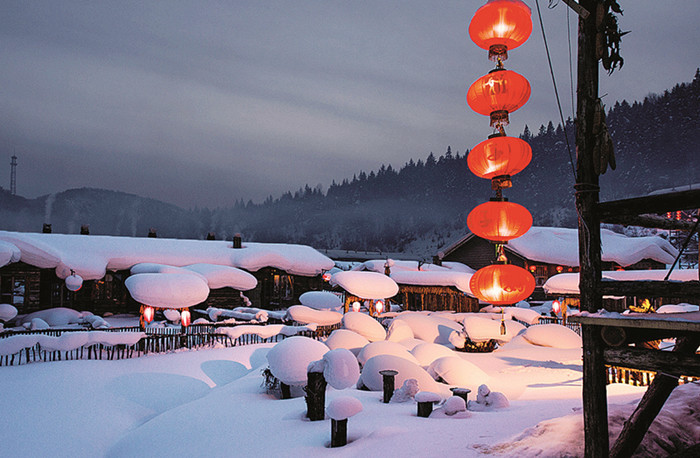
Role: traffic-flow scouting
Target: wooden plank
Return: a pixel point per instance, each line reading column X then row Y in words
column 671, row 323
column 659, row 203
column 651, row 288
column 672, row 363
column 652, row 221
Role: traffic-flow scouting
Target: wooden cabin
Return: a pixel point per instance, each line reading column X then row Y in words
column 435, row 298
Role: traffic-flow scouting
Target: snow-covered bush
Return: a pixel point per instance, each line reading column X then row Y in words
column 364, row 325
column 488, row 400
column 406, row 392
column 384, row 347
column 552, row 335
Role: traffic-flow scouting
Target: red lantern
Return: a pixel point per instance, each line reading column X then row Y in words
column 497, row 94
column 499, row 156
column 148, row 313
column 502, row 284
column 501, row 25
column 499, row 221
column 560, row 269
column 379, row 307
column 556, row 306
column 185, row 318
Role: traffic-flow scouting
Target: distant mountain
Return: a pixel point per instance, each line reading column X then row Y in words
column 417, row 208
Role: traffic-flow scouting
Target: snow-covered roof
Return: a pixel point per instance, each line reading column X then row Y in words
column 423, row 274
column 568, row 283
column 90, row 256
column 367, row 285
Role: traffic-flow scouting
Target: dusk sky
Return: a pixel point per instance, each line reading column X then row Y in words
column 205, row 102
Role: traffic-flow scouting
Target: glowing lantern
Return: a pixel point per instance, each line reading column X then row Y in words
column 356, row 306
column 499, row 221
column 560, row 269
column 497, row 94
column 502, row 284
column 148, row 313
column 326, row 276
column 185, row 318
column 379, row 306
column 533, row 268
column 501, row 25
column 556, row 306
column 74, row 282
column 499, row 156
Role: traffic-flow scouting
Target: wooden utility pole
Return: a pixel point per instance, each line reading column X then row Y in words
column 595, row 408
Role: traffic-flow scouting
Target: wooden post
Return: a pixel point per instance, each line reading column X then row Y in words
column 339, row 432
column 388, row 377
column 286, row 392
column 595, row 409
column 315, row 396
column 425, row 409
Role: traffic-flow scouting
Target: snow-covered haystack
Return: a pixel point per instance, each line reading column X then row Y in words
column 526, row 315
column 364, row 325
column 7, row 312
column 454, row 407
column 434, row 329
column 677, row 308
column 456, row 371
column 399, row 330
column 321, row 300
column 305, row 315
column 552, row 335
column 480, row 329
column 385, row 347
column 339, row 367
column 224, row 276
column 168, row 290
column 59, row 316
column 371, row 379
column 426, row 353
column 344, row 338
column 289, row 359
column 488, row 400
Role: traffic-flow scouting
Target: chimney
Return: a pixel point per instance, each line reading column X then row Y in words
column 152, row 232
column 211, row 236
column 237, row 241
column 85, row 229
column 46, row 229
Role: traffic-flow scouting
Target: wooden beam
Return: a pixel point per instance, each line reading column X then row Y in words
column 651, row 221
column 658, row 203
column 675, row 322
column 668, row 362
column 650, row 288
column 581, row 11
column 635, row 428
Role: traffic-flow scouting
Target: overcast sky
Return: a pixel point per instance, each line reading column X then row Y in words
column 204, row 102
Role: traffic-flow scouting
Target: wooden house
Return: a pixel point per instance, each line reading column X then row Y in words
column 548, row 251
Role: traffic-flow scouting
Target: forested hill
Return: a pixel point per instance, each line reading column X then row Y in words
column 417, row 207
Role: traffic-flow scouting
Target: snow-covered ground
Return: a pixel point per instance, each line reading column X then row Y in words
column 211, row 403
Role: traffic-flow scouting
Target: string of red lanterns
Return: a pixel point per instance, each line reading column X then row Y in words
column 498, row 26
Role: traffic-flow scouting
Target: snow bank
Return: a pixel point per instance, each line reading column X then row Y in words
column 372, row 379
column 434, row 329
column 290, row 358
column 67, row 341
column 426, row 353
column 306, row 315
column 7, row 312
column 345, row 338
column 224, row 276
column 343, row 407
column 264, row 332
column 484, row 329
column 673, row 308
column 366, row 285
column 384, row 347
column 568, row 283
column 59, row 316
column 320, row 300
column 364, row 325
column 457, row 371
column 552, row 335
column 167, row 290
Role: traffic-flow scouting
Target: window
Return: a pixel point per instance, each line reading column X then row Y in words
column 13, row 289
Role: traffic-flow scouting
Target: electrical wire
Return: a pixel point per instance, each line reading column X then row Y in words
column 571, row 65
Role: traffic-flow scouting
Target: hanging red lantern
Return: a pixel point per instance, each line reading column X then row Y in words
column 148, row 313
column 502, row 284
column 497, row 94
column 501, row 25
column 499, row 156
column 499, row 221
column 185, row 318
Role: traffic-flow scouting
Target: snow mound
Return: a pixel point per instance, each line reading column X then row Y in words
column 364, row 325
column 434, row 328
column 454, row 407
column 456, row 371
column 677, row 308
column 398, row 331
column 340, row 368
column 484, row 329
column 411, row 343
column 488, row 400
column 224, row 276
column 426, row 353
column 306, row 315
column 290, row 358
column 320, row 300
column 372, row 379
column 7, row 312
column 59, row 316
column 552, row 335
column 172, row 315
column 37, row 323
column 427, row 396
column 344, row 338
column 167, row 290
column 8, row 253
column 367, row 285
column 343, row 407
column 384, row 347
column 407, row 391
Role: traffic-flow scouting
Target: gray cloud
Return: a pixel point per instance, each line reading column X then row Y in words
column 202, row 103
